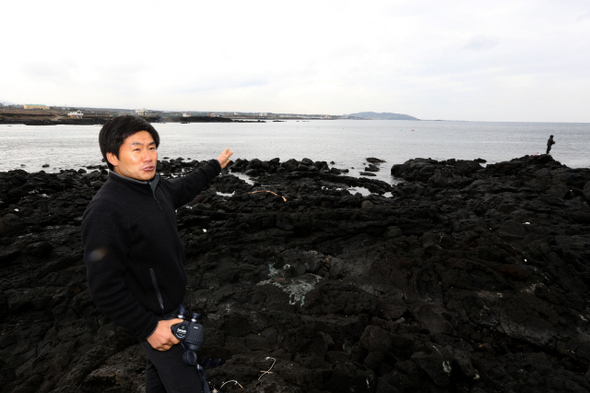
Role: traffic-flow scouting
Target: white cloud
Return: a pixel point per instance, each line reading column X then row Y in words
column 502, row 60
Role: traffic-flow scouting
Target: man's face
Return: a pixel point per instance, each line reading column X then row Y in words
column 137, row 157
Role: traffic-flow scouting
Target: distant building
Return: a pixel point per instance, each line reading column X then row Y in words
column 141, row 112
column 76, row 115
column 32, row 106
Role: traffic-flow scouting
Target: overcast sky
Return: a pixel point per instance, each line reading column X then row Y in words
column 452, row 60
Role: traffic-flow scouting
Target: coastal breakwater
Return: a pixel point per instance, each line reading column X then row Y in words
column 461, row 278
column 90, row 120
column 56, row 117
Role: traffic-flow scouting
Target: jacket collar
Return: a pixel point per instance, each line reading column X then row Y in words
column 152, row 183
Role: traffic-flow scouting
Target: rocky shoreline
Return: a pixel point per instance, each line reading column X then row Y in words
column 461, row 278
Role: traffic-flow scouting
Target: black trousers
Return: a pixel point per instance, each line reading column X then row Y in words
column 165, row 372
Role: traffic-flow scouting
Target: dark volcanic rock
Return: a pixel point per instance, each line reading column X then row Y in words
column 461, row 278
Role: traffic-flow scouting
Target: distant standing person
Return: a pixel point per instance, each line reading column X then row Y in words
column 550, row 143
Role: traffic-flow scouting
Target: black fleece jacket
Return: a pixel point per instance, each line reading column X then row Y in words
column 132, row 249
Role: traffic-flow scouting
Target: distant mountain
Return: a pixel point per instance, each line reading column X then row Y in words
column 382, row 116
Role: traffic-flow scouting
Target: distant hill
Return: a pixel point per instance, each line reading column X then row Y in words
column 382, row 116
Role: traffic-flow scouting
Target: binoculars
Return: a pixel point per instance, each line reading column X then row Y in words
column 190, row 333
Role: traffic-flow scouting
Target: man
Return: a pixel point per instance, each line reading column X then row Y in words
column 132, row 248
column 550, row 142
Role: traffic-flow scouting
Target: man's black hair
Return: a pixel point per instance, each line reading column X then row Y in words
column 114, row 132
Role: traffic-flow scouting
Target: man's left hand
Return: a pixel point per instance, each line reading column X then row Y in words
column 224, row 157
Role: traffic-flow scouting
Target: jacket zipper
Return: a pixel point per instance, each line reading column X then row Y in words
column 158, row 293
column 153, row 188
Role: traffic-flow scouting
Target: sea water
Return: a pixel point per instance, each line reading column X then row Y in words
column 344, row 144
